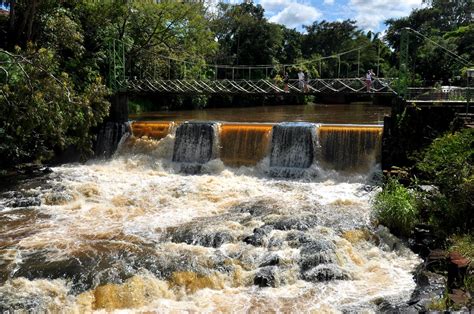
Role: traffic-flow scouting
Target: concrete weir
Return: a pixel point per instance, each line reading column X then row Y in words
column 293, row 146
column 194, row 145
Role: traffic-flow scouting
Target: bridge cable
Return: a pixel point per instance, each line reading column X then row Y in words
column 466, row 62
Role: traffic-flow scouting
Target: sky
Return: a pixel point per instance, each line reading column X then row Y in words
column 369, row 14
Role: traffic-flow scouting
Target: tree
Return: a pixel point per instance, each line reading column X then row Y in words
column 452, row 14
column 291, row 47
column 40, row 109
column 445, row 23
column 150, row 31
column 328, row 38
column 245, row 37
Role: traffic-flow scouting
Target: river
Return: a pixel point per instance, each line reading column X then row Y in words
column 137, row 233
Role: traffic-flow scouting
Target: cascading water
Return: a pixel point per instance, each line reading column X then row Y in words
column 151, row 129
column 293, row 148
column 132, row 233
column 109, row 137
column 194, row 145
column 350, row 148
column 244, row 144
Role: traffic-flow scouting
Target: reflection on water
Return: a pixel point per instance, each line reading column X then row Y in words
column 318, row 113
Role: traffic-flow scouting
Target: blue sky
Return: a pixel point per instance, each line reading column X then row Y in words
column 370, row 14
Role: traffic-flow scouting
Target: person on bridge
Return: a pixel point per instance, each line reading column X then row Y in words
column 368, row 80
column 306, row 82
column 301, row 80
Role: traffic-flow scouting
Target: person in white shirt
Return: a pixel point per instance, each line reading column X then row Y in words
column 301, row 80
column 368, row 79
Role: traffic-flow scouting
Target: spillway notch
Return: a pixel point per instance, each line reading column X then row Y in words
column 194, row 145
column 293, row 149
column 109, row 137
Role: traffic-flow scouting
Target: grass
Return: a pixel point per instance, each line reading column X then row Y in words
column 395, row 207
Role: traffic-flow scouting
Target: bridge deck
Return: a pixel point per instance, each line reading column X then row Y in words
column 262, row 86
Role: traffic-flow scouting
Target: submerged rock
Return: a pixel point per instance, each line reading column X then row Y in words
column 24, row 202
column 266, row 277
column 324, row 272
column 197, row 236
column 314, row 246
column 296, row 238
column 275, row 242
column 256, row 209
column 258, row 236
column 313, row 260
column 315, row 253
column 271, row 260
column 299, row 223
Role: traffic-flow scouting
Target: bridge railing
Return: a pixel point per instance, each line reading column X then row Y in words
column 443, row 93
column 261, row 86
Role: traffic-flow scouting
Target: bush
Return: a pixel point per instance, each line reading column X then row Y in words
column 448, row 164
column 395, row 207
column 42, row 110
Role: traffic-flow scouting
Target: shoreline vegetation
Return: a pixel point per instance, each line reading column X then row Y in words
column 431, row 205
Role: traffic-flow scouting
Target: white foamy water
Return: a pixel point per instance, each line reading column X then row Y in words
column 134, row 234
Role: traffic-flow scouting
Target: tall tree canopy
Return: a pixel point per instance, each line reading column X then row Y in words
column 444, row 24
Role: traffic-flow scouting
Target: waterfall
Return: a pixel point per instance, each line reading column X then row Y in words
column 194, row 145
column 350, row 148
column 293, row 146
column 244, row 144
column 109, row 137
column 155, row 130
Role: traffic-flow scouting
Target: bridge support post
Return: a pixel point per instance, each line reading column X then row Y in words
column 358, row 63
column 338, row 66
column 404, row 61
column 116, row 64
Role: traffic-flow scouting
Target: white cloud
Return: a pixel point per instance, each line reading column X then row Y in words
column 370, row 13
column 295, row 14
column 329, row 2
column 274, row 6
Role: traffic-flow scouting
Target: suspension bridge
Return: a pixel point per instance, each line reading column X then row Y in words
column 260, row 86
column 175, row 76
column 168, row 75
column 165, row 74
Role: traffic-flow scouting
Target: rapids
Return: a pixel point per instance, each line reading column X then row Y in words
column 135, row 233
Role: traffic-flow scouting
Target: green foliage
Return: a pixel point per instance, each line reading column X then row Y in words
column 448, row 161
column 41, row 110
column 246, row 37
column 151, row 30
column 449, row 24
column 439, row 304
column 463, row 244
column 395, row 207
column 448, row 164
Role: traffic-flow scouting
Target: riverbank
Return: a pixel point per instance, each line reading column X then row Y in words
column 428, row 159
